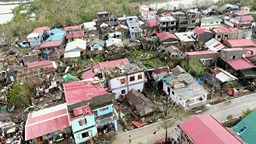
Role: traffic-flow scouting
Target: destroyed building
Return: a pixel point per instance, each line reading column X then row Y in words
column 184, row 90
column 143, row 105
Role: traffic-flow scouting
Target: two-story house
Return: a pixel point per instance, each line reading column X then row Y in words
column 166, row 23
column 227, row 33
column 240, row 22
column 184, row 90
column 90, row 108
column 210, row 22
column 134, row 26
column 186, row 21
column 121, row 79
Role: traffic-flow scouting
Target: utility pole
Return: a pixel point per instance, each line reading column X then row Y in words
column 166, row 108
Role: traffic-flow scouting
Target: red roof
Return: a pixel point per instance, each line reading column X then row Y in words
column 44, row 63
column 241, row 13
column 85, row 110
column 46, row 121
column 81, row 91
column 138, row 125
column 204, row 129
column 200, row 53
column 152, row 22
column 165, row 36
column 111, row 64
column 72, row 28
column 88, row 74
column 199, row 31
column 245, row 18
column 148, row 11
column 167, row 14
column 48, row 44
column 79, row 34
column 239, row 43
column 40, row 29
column 240, row 64
column 225, row 30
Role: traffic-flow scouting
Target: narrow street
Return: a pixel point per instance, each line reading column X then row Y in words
column 220, row 111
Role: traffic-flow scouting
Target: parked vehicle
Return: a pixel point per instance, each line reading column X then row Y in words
column 24, row 44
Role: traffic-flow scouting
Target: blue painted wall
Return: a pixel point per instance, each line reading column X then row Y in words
column 90, row 122
column 102, row 112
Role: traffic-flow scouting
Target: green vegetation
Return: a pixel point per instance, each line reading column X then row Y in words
column 59, row 13
column 20, row 94
column 229, row 117
column 247, row 112
column 193, row 67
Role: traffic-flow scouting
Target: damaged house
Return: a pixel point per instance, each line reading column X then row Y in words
column 143, row 105
column 91, row 110
column 184, row 90
column 122, row 79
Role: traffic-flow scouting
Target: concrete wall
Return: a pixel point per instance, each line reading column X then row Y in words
column 75, row 123
column 229, row 55
column 204, row 37
column 104, row 110
column 116, row 87
column 72, row 53
column 92, row 132
column 198, row 57
column 184, row 103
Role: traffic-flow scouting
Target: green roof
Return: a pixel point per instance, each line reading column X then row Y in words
column 222, row 8
column 211, row 19
column 249, row 123
column 67, row 77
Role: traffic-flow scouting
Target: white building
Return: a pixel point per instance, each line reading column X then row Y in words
column 147, row 13
column 134, row 26
column 122, row 79
column 75, row 48
column 184, row 90
column 36, row 37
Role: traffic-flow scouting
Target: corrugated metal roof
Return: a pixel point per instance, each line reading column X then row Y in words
column 78, row 34
column 48, row 44
column 245, row 18
column 240, row 64
column 40, row 64
column 239, row 43
column 166, row 35
column 225, row 30
column 199, row 31
column 111, row 64
column 88, row 74
column 40, row 30
column 204, row 129
column 152, row 22
column 81, row 91
column 72, row 28
column 46, row 121
column 211, row 19
column 214, row 45
column 249, row 133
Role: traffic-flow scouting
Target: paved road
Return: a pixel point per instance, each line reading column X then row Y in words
column 234, row 107
column 220, row 112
